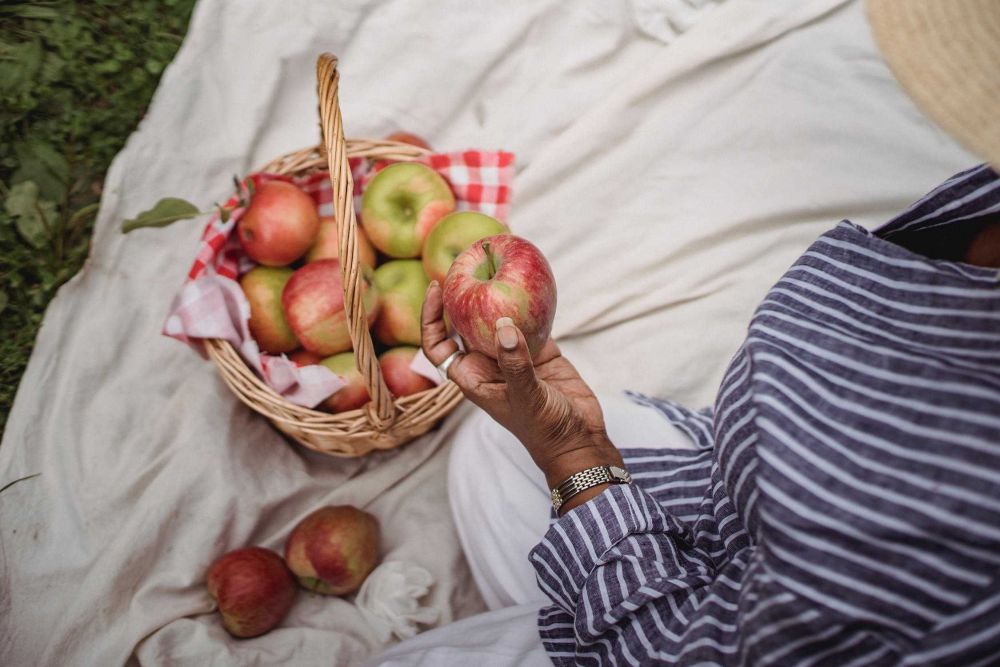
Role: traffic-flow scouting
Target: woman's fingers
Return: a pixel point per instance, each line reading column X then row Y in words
column 480, row 378
column 472, row 372
column 433, row 332
column 516, row 366
column 476, row 375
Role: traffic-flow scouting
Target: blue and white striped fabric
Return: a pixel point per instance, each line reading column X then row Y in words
column 844, row 505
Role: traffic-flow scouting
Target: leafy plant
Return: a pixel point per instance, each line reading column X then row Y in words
column 75, row 79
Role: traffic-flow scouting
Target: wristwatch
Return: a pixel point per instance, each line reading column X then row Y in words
column 586, row 479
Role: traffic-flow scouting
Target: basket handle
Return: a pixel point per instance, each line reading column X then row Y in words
column 381, row 410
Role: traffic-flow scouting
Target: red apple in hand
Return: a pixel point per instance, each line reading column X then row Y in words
column 399, row 377
column 262, row 286
column 279, row 225
column 352, row 395
column 253, row 588
column 500, row 276
column 327, row 245
column 313, row 301
column 401, row 205
column 332, row 550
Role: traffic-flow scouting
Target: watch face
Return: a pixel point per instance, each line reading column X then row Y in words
column 619, row 473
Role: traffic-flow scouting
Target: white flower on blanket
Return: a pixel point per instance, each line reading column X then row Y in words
column 390, row 596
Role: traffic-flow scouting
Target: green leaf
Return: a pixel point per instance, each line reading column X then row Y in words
column 3, row 301
column 34, row 217
column 29, row 11
column 108, row 67
column 20, row 63
column 52, row 68
column 43, row 164
column 166, row 211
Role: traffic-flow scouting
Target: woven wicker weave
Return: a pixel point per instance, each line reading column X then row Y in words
column 385, row 422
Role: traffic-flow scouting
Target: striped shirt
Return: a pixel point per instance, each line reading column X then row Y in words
column 843, row 505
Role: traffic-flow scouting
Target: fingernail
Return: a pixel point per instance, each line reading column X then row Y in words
column 506, row 333
column 433, row 283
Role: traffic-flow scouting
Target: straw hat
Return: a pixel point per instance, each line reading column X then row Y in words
column 946, row 55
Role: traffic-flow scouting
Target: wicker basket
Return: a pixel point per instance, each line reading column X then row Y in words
column 383, row 423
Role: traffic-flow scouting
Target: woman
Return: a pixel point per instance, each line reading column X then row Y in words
column 839, row 505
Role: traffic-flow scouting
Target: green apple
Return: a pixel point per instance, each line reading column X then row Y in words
column 354, row 394
column 452, row 236
column 262, row 286
column 401, row 205
column 401, row 284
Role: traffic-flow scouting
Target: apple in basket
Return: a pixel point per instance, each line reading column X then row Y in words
column 408, row 138
column 327, row 245
column 279, row 225
column 401, row 205
column 451, row 236
column 313, row 300
column 332, row 550
column 399, row 377
column 354, row 393
column 253, row 588
column 262, row 286
column 305, row 358
column 500, row 276
column 401, row 284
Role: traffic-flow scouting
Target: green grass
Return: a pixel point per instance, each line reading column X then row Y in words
column 75, row 79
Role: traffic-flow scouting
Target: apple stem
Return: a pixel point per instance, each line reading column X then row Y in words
column 490, row 260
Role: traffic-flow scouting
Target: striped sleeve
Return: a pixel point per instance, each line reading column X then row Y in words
column 697, row 425
column 622, row 573
column 842, row 508
column 629, row 586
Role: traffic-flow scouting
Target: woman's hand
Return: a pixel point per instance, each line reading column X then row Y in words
column 545, row 404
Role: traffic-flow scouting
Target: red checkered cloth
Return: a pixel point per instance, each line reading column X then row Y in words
column 212, row 305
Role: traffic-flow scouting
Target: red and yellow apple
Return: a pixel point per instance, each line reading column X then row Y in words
column 354, row 393
column 399, row 377
column 327, row 243
column 500, row 276
column 279, row 225
column 408, row 138
column 332, row 550
column 401, row 205
column 262, row 286
column 313, row 300
column 304, row 358
column 452, row 235
column 401, row 284
column 253, row 588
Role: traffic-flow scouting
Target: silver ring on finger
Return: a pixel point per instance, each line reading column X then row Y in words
column 444, row 365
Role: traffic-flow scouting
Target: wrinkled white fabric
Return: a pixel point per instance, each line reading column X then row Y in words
column 668, row 184
column 484, row 455
column 390, row 599
column 505, row 637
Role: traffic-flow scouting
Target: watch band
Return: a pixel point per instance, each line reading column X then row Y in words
column 586, row 479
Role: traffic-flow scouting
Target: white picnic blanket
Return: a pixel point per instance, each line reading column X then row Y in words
column 673, row 159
